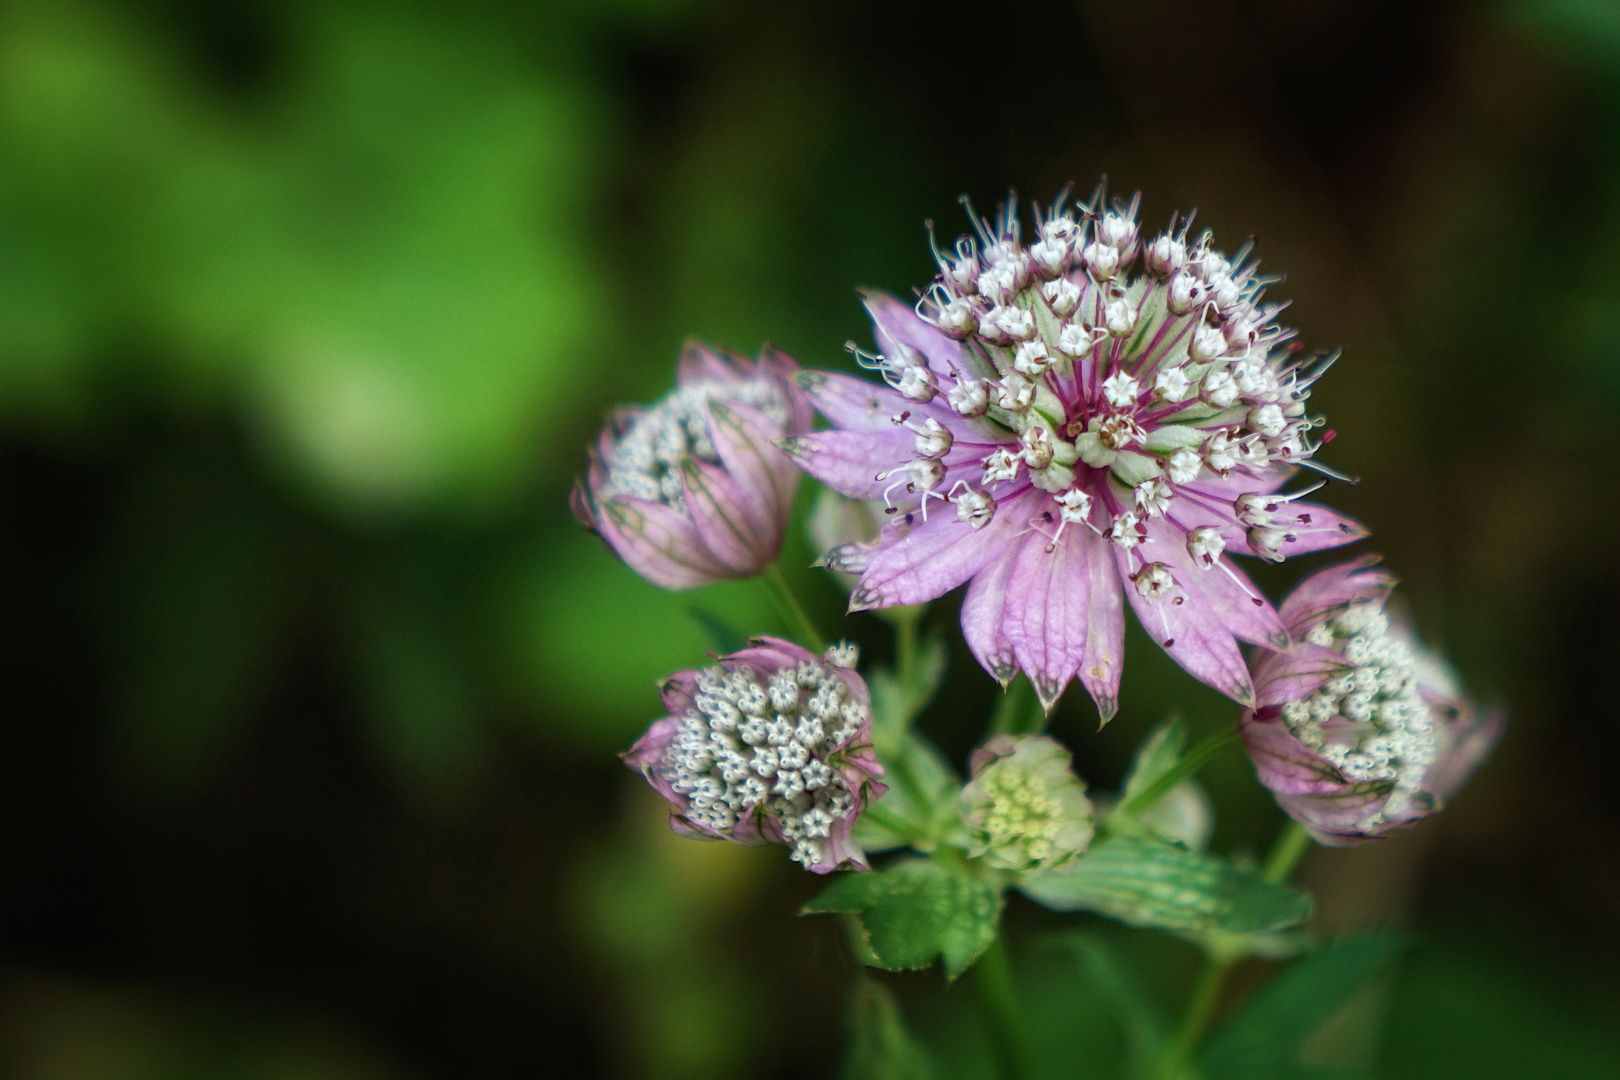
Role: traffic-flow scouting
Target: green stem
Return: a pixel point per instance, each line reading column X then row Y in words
column 1285, row 854
column 998, row 1005
column 1191, row 762
column 905, row 647
column 1293, row 842
column 1019, row 713
column 778, row 585
column 1206, row 993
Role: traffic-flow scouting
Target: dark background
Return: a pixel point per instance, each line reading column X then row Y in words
column 312, row 688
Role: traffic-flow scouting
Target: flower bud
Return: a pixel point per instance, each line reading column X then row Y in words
column 693, row 490
column 1024, row 808
column 770, row 745
column 1359, row 730
column 1061, row 296
column 968, row 397
column 1165, row 256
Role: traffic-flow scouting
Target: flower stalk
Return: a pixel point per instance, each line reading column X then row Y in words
column 776, row 584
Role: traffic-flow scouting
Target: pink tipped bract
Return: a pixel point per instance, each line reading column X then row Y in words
column 770, row 745
column 1359, row 730
column 693, row 490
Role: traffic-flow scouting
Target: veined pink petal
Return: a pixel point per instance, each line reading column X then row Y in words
column 982, row 610
column 721, row 518
column 1104, row 657
column 1048, row 601
column 1280, row 678
column 1284, row 763
column 648, row 751
column 767, row 654
column 1333, row 818
column 763, row 477
column 658, row 542
column 1222, row 589
column 1327, row 591
column 1315, row 527
column 852, row 404
column 1195, row 636
column 897, row 322
column 800, row 411
column 700, row 362
column 678, row 693
column 850, row 462
column 922, row 560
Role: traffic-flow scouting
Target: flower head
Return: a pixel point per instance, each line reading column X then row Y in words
column 770, row 745
column 693, row 490
column 1359, row 730
column 1024, row 808
column 1109, row 434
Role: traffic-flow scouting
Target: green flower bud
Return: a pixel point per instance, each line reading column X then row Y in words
column 1025, row 810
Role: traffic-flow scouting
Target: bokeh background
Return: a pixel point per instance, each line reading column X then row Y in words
column 312, row 688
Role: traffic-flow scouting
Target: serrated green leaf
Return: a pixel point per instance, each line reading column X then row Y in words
column 917, row 911
column 1150, row 884
column 1263, row 1040
column 880, row 1047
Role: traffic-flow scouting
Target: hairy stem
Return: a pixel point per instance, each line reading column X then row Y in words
column 998, row 1006
column 777, row 583
column 1190, row 763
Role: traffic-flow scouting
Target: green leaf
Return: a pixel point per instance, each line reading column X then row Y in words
column 1144, row 1024
column 1263, row 1040
column 1158, row 754
column 1149, row 884
column 880, row 1047
column 920, row 806
column 896, row 702
column 917, row 911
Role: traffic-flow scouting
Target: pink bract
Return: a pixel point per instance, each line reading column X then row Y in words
column 1359, row 731
column 770, row 745
column 693, row 490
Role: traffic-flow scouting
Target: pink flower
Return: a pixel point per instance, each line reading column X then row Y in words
column 770, row 745
column 1360, row 730
column 1057, row 433
column 693, row 490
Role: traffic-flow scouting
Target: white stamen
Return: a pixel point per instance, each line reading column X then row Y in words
column 1205, row 544
column 1001, row 466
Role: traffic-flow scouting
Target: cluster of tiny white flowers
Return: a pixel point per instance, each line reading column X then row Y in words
column 645, row 460
column 770, row 744
column 1371, row 720
column 1160, row 379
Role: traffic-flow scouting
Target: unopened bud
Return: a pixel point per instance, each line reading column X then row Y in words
column 1024, row 808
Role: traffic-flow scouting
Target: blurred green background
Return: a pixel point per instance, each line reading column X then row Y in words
column 313, row 688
